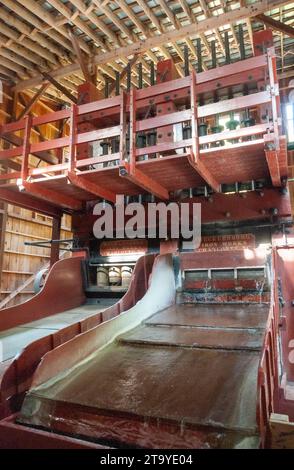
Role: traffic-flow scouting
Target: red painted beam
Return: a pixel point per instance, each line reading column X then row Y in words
column 233, row 104
column 93, row 188
column 56, row 198
column 144, row 182
column 202, row 170
column 26, row 201
column 273, row 166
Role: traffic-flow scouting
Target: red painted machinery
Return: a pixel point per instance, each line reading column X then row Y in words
column 196, row 352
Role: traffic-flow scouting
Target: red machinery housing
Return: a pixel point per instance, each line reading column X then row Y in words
column 165, row 142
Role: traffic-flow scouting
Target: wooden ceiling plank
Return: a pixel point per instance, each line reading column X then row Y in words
column 50, row 19
column 158, row 41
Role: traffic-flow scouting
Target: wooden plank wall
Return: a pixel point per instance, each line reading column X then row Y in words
column 21, row 261
column 18, row 225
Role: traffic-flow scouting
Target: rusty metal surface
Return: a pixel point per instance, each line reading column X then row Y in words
column 228, row 315
column 209, row 387
column 208, row 390
column 198, row 337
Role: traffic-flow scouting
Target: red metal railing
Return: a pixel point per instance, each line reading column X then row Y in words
column 120, row 107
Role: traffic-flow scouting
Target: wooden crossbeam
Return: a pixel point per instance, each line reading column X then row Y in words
column 159, row 40
column 60, row 87
column 81, row 60
column 33, row 100
column 277, row 25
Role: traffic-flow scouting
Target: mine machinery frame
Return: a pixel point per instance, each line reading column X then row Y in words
column 73, row 182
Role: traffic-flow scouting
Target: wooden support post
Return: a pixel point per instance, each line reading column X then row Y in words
column 26, row 149
column 194, row 117
column 133, row 131
column 274, row 87
column 72, row 138
column 129, row 169
column 123, row 128
column 3, row 220
column 194, row 159
column 54, row 253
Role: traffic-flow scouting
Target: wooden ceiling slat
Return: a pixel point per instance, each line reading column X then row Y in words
column 111, row 32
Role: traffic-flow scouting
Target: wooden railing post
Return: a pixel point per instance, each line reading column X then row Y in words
column 123, row 129
column 133, row 130
column 26, row 148
column 275, row 97
column 72, row 138
column 194, row 117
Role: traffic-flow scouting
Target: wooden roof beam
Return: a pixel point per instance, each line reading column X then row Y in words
column 157, row 41
column 81, row 60
column 33, row 101
column 28, row 44
column 208, row 14
column 276, row 25
column 50, row 19
column 60, row 87
column 26, row 10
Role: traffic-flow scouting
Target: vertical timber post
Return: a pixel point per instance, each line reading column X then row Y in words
column 194, row 117
column 26, row 148
column 133, row 130
column 72, row 138
column 54, row 253
column 123, row 129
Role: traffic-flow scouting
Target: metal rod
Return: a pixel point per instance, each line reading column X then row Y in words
column 129, row 73
column 227, row 48
column 213, row 55
column 50, row 242
column 117, row 83
column 241, row 41
column 140, row 75
column 199, row 55
column 152, row 73
column 186, row 60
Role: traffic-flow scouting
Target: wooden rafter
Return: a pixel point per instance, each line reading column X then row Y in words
column 33, row 100
column 164, row 38
column 81, row 60
column 277, row 25
column 60, row 87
